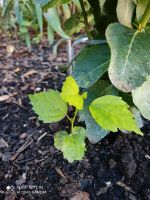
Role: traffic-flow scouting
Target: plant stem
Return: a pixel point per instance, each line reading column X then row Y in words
column 73, row 119
column 69, row 118
column 85, row 18
column 146, row 16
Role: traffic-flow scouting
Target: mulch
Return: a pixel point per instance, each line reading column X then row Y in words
column 117, row 168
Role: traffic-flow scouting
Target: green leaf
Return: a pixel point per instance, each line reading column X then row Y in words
column 66, row 10
column 112, row 113
column 52, row 18
column 125, row 12
column 39, row 14
column 70, row 93
column 41, row 2
column 91, row 64
column 50, row 34
column 52, row 3
column 49, row 106
column 141, row 98
column 58, row 139
column 74, row 145
column 130, row 60
column 137, row 116
column 74, row 24
column 140, row 10
column 93, row 131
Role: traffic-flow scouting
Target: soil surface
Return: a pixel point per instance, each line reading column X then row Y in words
column 117, row 168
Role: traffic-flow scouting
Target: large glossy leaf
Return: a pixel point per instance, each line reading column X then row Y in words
column 141, row 98
column 141, row 7
column 125, row 12
column 91, row 64
column 130, row 60
column 52, row 18
column 70, row 93
column 112, row 113
column 74, row 145
column 93, row 131
column 49, row 106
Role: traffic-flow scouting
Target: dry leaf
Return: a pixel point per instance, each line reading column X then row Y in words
column 80, row 195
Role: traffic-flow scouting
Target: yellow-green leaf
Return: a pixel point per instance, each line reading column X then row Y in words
column 112, row 113
column 70, row 93
column 58, row 139
column 74, row 145
column 49, row 106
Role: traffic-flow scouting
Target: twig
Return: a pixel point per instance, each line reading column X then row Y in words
column 42, row 136
column 21, row 149
column 127, row 188
column 58, row 170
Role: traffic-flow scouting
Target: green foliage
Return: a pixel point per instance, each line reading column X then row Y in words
column 74, row 24
column 70, row 93
column 91, row 64
column 74, row 145
column 53, row 20
column 31, row 16
column 112, row 113
column 126, row 17
column 141, row 98
column 94, row 132
column 141, row 7
column 129, row 64
column 113, row 69
column 51, row 107
column 52, row 3
column 44, row 104
column 59, row 138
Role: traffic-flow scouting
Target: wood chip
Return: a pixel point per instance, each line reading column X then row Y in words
column 147, row 156
column 58, row 170
column 80, row 195
column 4, row 98
column 29, row 73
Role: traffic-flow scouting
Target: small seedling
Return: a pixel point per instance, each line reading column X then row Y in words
column 110, row 112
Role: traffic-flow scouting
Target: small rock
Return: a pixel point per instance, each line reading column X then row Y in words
column 112, row 163
column 84, row 183
column 1, row 154
column 23, row 135
column 6, row 157
column 132, row 197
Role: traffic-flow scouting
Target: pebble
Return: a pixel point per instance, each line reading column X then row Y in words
column 23, row 135
column 6, row 157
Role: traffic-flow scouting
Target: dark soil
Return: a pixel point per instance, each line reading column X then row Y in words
column 118, row 168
